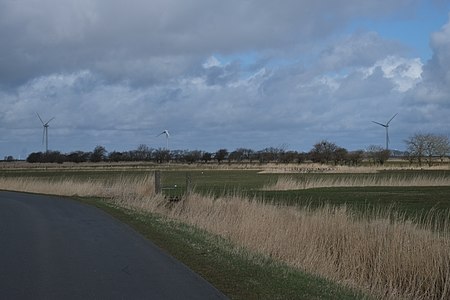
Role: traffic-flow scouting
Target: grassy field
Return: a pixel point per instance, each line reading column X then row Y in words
column 411, row 200
column 353, row 228
column 415, row 202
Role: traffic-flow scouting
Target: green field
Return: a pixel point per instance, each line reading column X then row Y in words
column 411, row 200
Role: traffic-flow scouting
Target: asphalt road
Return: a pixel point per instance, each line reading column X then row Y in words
column 56, row 248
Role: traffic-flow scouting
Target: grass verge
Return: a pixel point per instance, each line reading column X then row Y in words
column 238, row 274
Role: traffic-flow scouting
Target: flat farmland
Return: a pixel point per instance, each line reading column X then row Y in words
column 257, row 185
column 411, row 199
column 381, row 232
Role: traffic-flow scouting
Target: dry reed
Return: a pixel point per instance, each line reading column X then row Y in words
column 120, row 187
column 285, row 183
column 390, row 257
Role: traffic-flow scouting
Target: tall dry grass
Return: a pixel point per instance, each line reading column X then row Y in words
column 120, row 187
column 284, row 183
column 388, row 256
column 312, row 168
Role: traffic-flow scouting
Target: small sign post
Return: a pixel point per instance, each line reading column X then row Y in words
column 157, row 182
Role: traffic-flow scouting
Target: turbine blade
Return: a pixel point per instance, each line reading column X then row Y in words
column 391, row 119
column 40, row 118
column 166, row 132
column 49, row 120
column 384, row 125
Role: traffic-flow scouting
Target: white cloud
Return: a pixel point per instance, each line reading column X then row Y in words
column 212, row 61
column 404, row 73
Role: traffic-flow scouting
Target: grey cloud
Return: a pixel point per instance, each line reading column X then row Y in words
column 435, row 86
column 428, row 103
column 149, row 39
column 361, row 49
column 437, row 69
column 358, row 86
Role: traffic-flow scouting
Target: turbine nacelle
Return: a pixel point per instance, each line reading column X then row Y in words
column 166, row 133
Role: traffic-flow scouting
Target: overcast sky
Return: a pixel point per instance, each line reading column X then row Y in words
column 221, row 74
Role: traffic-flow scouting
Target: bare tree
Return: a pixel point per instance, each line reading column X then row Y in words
column 340, row 155
column 377, row 154
column 237, row 155
column 355, row 157
column 192, row 156
column 143, row 152
column 99, row 154
column 427, row 146
column 162, row 155
column 221, row 155
column 323, row 152
column 206, row 156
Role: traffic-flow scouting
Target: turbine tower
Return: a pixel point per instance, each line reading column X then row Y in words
column 45, row 132
column 387, row 129
column 166, row 132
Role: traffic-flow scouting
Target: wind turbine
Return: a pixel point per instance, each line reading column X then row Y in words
column 166, row 132
column 45, row 133
column 387, row 129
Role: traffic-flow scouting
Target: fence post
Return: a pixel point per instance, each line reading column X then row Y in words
column 157, row 182
column 188, row 184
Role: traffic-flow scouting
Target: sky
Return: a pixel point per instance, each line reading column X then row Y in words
column 221, row 74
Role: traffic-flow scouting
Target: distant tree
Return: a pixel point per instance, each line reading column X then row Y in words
column 115, row 156
column 302, row 157
column 206, row 157
column 54, row 157
column 47, row 157
column 237, row 155
column 377, row 154
column 192, row 156
column 355, row 158
column 9, row 158
column 35, row 157
column 263, row 156
column 162, row 155
column 439, row 146
column 323, row 152
column 427, row 146
column 340, row 156
column 221, row 155
column 177, row 156
column 248, row 154
column 99, row 154
column 128, row 156
column 143, row 153
column 77, row 157
column 288, row 156
column 416, row 145
column 270, row 154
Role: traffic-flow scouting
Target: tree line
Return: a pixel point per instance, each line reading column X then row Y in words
column 420, row 147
